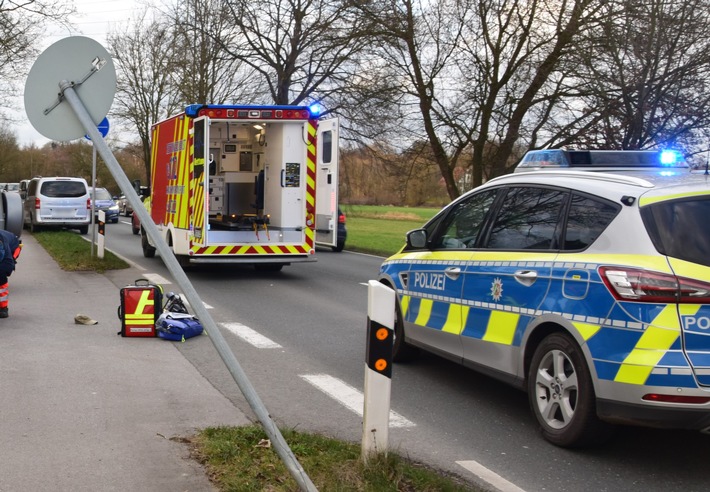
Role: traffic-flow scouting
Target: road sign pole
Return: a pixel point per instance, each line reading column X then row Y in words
column 93, row 200
column 378, row 369
column 215, row 336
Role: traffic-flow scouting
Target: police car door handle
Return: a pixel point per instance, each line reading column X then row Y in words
column 452, row 272
column 526, row 277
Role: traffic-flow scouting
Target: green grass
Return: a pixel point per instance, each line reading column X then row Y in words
column 381, row 230
column 73, row 253
column 241, row 459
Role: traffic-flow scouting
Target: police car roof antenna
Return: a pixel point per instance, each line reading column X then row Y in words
column 65, row 123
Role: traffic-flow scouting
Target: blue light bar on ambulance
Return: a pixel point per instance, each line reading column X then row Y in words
column 601, row 160
column 229, row 112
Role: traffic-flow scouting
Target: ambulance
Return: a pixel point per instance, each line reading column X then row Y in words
column 244, row 184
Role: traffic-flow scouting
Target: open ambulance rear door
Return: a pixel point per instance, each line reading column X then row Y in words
column 327, row 155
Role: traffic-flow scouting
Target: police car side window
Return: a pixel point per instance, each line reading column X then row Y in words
column 587, row 219
column 528, row 219
column 462, row 226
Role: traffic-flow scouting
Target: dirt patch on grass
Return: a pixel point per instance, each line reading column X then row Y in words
column 392, row 216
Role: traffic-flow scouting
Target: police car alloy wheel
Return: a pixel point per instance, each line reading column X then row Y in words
column 562, row 395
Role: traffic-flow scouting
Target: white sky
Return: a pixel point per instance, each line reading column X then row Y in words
column 94, row 20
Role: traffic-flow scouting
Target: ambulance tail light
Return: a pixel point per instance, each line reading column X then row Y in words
column 88, row 204
column 36, row 203
column 631, row 284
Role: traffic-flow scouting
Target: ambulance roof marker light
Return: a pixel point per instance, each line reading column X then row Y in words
column 315, row 109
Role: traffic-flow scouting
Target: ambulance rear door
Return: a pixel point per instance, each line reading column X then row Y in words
column 199, row 185
column 327, row 155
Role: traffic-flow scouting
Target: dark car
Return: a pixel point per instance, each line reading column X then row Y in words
column 342, row 232
column 105, row 202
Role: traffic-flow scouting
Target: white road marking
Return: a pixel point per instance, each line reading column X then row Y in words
column 250, row 336
column 349, row 396
column 185, row 301
column 500, row 483
column 156, row 279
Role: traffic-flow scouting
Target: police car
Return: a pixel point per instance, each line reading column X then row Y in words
column 590, row 290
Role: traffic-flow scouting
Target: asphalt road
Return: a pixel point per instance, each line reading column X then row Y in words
column 312, row 320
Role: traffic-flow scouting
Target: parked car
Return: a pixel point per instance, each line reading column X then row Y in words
column 589, row 290
column 124, row 207
column 105, row 202
column 135, row 224
column 11, row 187
column 57, row 202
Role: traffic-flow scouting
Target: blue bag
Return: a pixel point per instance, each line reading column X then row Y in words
column 177, row 326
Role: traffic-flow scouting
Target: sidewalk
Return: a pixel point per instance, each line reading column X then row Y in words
column 83, row 409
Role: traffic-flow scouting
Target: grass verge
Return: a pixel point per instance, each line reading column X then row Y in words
column 73, row 253
column 241, row 459
column 381, row 230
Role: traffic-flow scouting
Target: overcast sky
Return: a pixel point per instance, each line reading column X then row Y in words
column 95, row 19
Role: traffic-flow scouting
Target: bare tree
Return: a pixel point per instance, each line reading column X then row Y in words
column 204, row 72
column 649, row 73
column 485, row 75
column 22, row 24
column 145, row 58
column 300, row 51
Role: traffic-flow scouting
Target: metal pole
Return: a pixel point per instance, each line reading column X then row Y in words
column 282, row 448
column 93, row 199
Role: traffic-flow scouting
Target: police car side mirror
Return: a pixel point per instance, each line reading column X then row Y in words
column 416, row 239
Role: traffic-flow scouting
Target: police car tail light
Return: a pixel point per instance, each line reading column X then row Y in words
column 696, row 400
column 632, row 284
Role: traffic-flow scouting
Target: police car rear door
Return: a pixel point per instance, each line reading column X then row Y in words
column 508, row 276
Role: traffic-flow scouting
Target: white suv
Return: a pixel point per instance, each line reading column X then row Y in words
column 57, row 202
column 591, row 291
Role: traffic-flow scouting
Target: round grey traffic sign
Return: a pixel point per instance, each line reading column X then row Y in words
column 87, row 66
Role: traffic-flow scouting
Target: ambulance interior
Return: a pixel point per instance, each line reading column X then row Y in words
column 256, row 192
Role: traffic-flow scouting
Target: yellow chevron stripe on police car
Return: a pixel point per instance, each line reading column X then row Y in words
column 501, row 327
column 658, row 337
column 648, row 200
column 425, row 307
column 456, row 319
column 586, row 330
column 404, row 304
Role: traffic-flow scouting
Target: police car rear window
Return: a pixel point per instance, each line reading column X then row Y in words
column 587, row 219
column 678, row 228
column 63, row 189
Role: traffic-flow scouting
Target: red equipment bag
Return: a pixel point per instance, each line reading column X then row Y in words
column 141, row 304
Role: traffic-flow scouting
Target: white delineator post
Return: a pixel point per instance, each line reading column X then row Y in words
column 378, row 369
column 102, row 234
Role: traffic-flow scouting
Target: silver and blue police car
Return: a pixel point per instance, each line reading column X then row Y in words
column 590, row 290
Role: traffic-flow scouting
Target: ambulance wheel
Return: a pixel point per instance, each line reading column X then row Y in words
column 148, row 250
column 562, row 396
column 401, row 350
column 84, row 230
column 183, row 261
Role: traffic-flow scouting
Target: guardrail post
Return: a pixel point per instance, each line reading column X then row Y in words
column 378, row 368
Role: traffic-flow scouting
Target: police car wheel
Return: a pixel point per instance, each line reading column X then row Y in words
column 401, row 350
column 561, row 394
